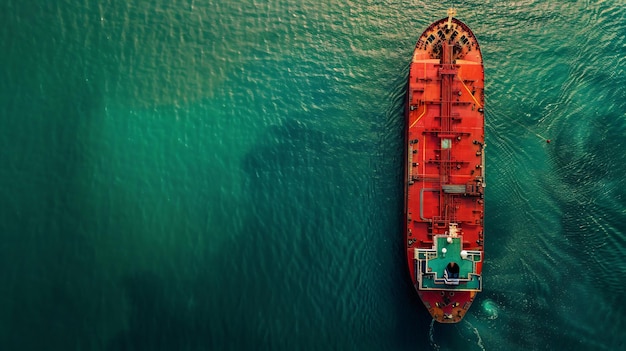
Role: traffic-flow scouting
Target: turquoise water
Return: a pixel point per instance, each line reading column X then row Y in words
column 221, row 175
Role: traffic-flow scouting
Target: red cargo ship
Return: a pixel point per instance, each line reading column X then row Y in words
column 445, row 173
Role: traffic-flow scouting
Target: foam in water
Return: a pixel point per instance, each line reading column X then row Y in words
column 490, row 308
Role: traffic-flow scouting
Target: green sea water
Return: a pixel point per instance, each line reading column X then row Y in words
column 227, row 175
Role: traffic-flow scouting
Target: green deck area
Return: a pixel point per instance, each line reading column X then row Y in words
column 432, row 263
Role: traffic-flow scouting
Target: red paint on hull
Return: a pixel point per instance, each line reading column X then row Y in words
column 444, row 169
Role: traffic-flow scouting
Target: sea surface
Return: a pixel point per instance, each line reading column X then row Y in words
column 227, row 175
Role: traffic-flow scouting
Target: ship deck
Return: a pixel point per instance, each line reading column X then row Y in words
column 444, row 179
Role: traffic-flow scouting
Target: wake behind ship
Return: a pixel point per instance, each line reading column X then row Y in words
column 444, row 169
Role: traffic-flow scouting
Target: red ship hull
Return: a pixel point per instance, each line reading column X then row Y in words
column 444, row 169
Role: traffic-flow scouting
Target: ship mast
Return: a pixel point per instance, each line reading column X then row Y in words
column 451, row 13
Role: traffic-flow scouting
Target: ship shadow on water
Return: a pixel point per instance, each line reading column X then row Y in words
column 334, row 262
column 48, row 214
column 289, row 177
column 156, row 319
column 294, row 178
